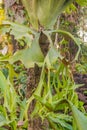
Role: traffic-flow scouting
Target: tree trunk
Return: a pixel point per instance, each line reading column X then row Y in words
column 32, row 83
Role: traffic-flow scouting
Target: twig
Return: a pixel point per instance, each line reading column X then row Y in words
column 56, row 36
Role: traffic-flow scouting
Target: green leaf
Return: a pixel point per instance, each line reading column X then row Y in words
column 4, row 58
column 9, row 95
column 51, row 9
column 22, row 108
column 36, row 109
column 63, row 32
column 61, row 120
column 3, row 129
column 45, row 12
column 52, row 57
column 29, row 56
column 3, row 120
column 3, row 82
column 82, row 2
column 79, row 117
column 19, row 31
column 30, row 6
column 3, row 111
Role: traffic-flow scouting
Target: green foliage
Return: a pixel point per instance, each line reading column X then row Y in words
column 37, row 8
column 82, row 2
column 19, row 31
column 71, row 8
column 10, row 100
column 81, row 66
column 55, row 96
column 29, row 56
column 76, row 40
column 11, row 104
column 81, row 122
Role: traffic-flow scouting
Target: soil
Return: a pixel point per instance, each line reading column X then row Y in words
column 82, row 91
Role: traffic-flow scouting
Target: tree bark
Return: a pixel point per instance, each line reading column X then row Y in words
column 32, row 83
